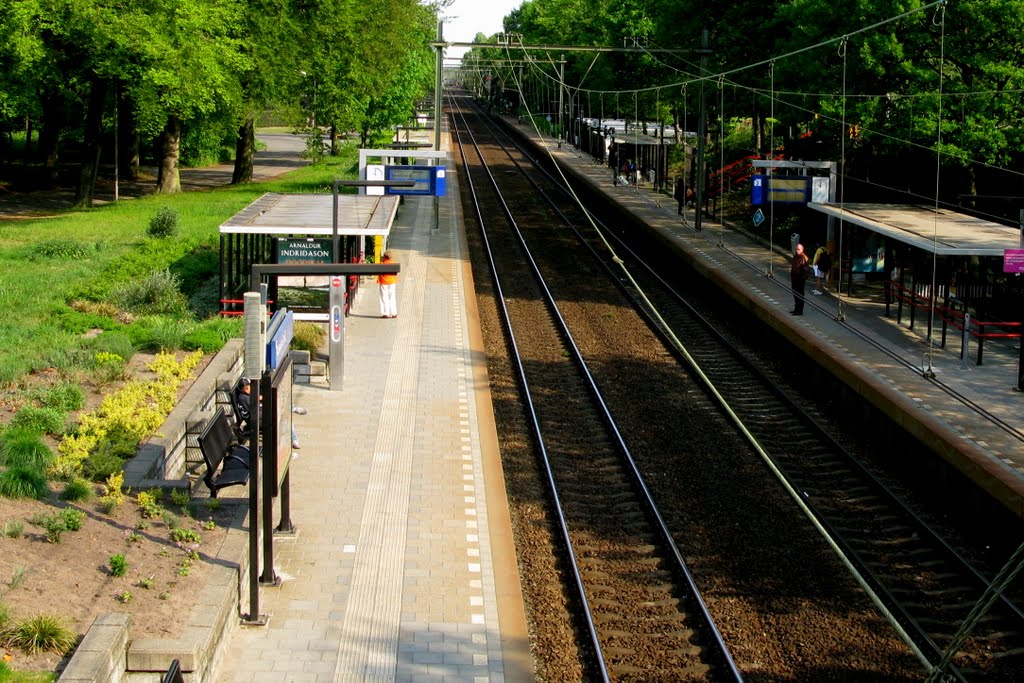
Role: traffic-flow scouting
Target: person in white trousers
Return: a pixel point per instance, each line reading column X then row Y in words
column 388, row 291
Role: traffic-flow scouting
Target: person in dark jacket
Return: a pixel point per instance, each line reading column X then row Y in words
column 798, row 272
column 680, row 194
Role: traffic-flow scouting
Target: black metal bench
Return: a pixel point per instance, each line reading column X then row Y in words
column 227, row 462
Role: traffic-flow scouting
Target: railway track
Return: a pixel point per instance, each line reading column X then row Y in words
column 925, row 586
column 646, row 619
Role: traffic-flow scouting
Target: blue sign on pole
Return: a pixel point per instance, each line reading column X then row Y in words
column 758, row 218
column 278, row 343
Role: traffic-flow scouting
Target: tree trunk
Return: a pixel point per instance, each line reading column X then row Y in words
column 334, row 140
column 167, row 179
column 245, row 147
column 128, row 138
column 27, row 158
column 91, row 152
column 54, row 112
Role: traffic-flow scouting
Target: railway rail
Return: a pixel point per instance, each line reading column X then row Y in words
column 915, row 577
column 641, row 606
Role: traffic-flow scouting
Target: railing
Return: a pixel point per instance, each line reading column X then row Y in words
column 968, row 326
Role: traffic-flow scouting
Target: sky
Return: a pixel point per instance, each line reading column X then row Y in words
column 465, row 18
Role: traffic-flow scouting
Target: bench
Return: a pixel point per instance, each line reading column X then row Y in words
column 227, row 462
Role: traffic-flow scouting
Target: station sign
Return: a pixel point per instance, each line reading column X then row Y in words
column 779, row 189
column 1013, row 260
column 303, row 252
column 430, row 180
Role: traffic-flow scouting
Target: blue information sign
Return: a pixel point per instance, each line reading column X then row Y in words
column 758, row 218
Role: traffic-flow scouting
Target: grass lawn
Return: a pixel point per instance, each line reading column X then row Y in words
column 47, row 263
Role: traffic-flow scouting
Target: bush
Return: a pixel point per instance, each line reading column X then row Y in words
column 156, row 294
column 65, row 396
column 308, row 336
column 79, row 322
column 62, row 250
column 72, row 518
column 77, row 490
column 118, row 343
column 169, row 334
column 22, row 447
column 23, row 482
column 164, row 223
column 42, row 633
column 39, row 420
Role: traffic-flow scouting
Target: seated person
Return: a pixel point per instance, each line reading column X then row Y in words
column 243, row 410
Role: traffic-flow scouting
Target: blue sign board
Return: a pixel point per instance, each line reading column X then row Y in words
column 779, row 189
column 758, row 218
column 280, row 338
column 430, row 180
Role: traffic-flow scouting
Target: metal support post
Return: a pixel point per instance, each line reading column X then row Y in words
column 702, row 128
column 438, row 83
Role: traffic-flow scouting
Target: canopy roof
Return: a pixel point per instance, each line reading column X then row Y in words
column 944, row 232
column 312, row 214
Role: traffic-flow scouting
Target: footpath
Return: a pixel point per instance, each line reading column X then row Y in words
column 282, row 153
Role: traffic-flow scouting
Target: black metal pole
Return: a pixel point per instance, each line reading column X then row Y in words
column 702, row 129
column 254, row 507
column 335, row 245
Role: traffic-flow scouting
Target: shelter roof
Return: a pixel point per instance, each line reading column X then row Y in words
column 312, row 214
column 941, row 231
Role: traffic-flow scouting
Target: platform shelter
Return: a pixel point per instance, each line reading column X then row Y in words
column 934, row 259
column 299, row 229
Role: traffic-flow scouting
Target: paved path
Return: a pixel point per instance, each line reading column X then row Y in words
column 283, row 153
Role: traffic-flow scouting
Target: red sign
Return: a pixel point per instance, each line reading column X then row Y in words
column 1013, row 260
column 336, row 282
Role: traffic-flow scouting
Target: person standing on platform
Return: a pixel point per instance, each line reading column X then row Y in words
column 388, row 290
column 680, row 194
column 798, row 272
column 821, row 265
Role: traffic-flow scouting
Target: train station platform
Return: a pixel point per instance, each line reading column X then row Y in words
column 403, row 567
column 970, row 414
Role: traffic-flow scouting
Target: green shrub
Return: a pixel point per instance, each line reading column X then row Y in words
column 55, row 528
column 158, row 293
column 24, row 447
column 308, row 336
column 181, row 535
column 180, row 497
column 103, row 463
column 23, row 482
column 108, row 367
column 118, row 565
column 77, row 322
column 72, row 518
column 169, row 334
column 40, row 420
column 41, row 633
column 197, row 267
column 118, row 343
column 164, row 223
column 202, row 338
column 62, row 250
column 12, row 528
column 77, row 490
column 64, row 396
